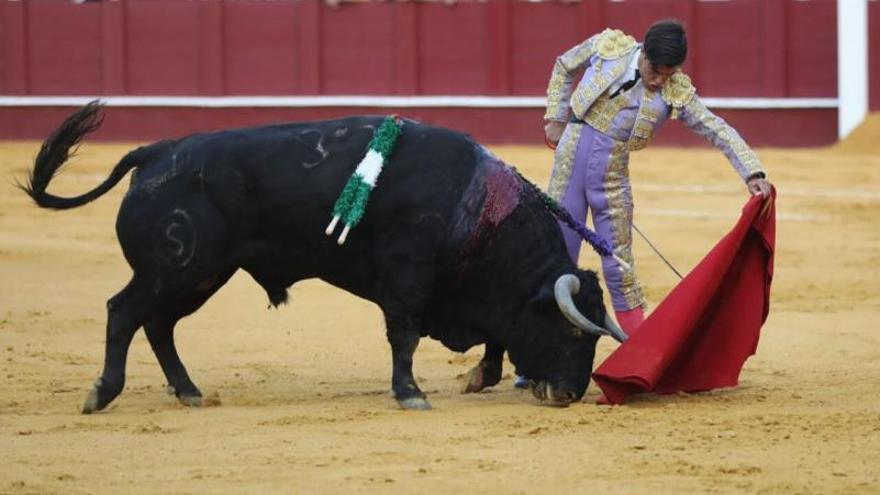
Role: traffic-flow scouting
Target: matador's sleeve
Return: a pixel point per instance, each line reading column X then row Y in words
column 688, row 107
column 561, row 81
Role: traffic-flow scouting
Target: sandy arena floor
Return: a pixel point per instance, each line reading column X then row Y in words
column 300, row 400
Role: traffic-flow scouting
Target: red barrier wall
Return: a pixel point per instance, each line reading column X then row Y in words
column 772, row 48
column 739, row 48
column 786, row 127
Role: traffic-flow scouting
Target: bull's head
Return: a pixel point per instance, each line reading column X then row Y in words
column 560, row 370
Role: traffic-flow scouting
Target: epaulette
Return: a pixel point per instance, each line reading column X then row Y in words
column 678, row 92
column 613, row 43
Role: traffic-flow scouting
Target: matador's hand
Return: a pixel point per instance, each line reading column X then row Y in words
column 553, row 130
column 759, row 185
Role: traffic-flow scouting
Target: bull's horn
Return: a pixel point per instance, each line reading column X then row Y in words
column 566, row 286
column 616, row 332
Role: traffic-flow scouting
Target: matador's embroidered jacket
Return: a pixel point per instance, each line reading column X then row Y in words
column 633, row 116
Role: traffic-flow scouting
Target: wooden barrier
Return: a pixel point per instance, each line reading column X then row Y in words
column 740, row 48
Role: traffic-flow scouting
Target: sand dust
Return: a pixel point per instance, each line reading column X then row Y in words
column 300, row 394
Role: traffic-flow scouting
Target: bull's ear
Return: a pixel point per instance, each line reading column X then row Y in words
column 543, row 301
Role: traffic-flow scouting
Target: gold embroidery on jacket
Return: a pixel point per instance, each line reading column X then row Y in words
column 560, row 86
column 643, row 129
column 584, row 97
column 613, row 43
column 708, row 125
column 677, row 92
column 602, row 112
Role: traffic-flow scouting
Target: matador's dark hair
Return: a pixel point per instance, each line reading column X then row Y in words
column 666, row 43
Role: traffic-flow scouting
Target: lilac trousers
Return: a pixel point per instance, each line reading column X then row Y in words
column 599, row 184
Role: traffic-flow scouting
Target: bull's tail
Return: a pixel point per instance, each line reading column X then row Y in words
column 56, row 150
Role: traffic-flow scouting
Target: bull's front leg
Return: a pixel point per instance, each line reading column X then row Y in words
column 487, row 372
column 404, row 340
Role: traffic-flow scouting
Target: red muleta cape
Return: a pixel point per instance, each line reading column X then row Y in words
column 700, row 336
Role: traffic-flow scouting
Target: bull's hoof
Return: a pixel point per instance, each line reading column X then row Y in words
column 415, row 403
column 190, row 400
column 479, row 377
column 474, row 381
column 91, row 404
column 548, row 397
column 99, row 396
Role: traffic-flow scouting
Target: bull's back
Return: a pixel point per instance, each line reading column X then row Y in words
column 297, row 187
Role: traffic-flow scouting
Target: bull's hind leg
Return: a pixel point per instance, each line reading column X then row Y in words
column 125, row 313
column 160, row 334
column 487, row 372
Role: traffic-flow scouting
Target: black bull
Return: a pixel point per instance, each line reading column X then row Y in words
column 454, row 245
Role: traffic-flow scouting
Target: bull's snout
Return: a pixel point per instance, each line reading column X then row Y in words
column 553, row 396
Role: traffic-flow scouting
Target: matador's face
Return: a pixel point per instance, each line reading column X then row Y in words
column 655, row 76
